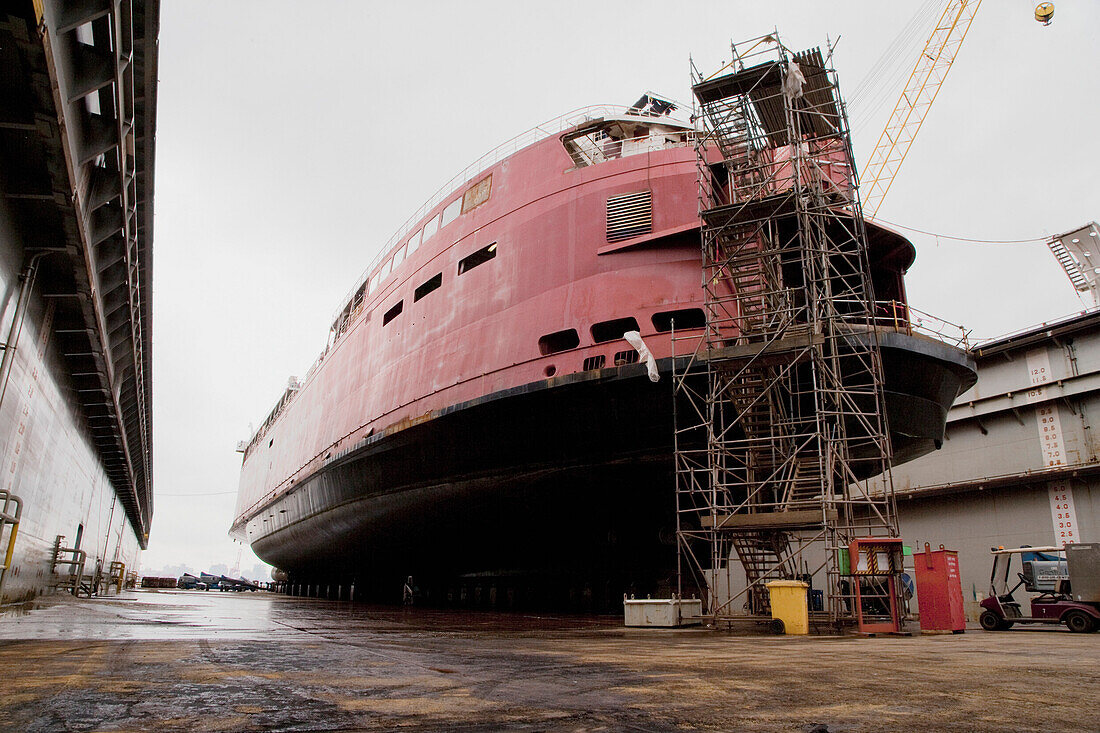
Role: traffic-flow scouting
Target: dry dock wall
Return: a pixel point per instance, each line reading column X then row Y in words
column 48, row 457
column 1020, row 464
column 77, row 146
column 973, row 521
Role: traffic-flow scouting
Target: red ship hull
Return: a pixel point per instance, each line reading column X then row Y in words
column 469, row 419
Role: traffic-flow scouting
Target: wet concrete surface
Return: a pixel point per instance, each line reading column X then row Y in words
column 194, row 661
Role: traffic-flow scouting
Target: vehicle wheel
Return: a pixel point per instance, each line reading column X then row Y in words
column 777, row 627
column 992, row 622
column 1079, row 622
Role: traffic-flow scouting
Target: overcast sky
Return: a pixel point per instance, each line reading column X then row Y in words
column 294, row 138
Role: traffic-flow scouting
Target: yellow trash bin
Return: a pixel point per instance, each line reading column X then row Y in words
column 789, row 599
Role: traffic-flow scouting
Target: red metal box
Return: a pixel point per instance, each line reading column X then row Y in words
column 939, row 590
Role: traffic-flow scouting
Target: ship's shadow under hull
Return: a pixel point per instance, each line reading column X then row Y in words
column 558, row 494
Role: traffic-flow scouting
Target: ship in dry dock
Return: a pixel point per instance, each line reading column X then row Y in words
column 493, row 413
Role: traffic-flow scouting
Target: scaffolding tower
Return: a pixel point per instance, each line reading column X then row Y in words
column 781, row 445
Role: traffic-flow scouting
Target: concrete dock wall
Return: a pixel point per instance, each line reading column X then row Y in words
column 1020, row 464
column 48, row 458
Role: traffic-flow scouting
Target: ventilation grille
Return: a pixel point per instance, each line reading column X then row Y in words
column 594, row 362
column 629, row 215
column 626, row 357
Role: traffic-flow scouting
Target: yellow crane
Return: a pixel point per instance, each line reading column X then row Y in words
column 916, row 99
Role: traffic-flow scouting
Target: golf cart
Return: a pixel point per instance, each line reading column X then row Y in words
column 1066, row 579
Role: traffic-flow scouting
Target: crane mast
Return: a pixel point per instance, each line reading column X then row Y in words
column 916, row 99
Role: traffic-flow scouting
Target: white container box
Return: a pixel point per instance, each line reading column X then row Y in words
column 663, row 612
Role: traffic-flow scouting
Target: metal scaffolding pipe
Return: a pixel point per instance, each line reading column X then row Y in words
column 26, row 285
column 76, row 564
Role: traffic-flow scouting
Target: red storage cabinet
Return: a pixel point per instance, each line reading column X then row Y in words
column 939, row 590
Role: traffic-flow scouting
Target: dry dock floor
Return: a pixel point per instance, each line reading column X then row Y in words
column 194, row 661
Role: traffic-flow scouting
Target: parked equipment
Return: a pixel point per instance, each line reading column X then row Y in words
column 939, row 590
column 874, row 567
column 1068, row 587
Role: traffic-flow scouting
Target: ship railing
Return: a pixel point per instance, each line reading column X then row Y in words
column 557, row 125
column 591, row 149
column 987, row 341
column 904, row 318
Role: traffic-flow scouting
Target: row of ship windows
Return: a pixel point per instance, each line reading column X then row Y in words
column 472, row 197
column 435, row 282
column 552, row 343
column 663, row 322
column 628, row 215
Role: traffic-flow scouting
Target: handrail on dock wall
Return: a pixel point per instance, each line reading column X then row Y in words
column 76, row 564
column 116, row 577
column 12, row 517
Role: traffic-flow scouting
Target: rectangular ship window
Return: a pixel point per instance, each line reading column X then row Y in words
column 431, row 228
column 477, row 194
column 629, row 215
column 595, row 362
column 611, row 330
column 414, row 242
column 450, row 213
column 552, row 343
column 398, row 256
column 626, row 357
column 393, row 312
column 480, row 257
column 428, row 287
column 684, row 319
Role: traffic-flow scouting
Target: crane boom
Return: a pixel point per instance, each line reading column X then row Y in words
column 916, row 99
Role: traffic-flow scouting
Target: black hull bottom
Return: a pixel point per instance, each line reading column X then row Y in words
column 576, row 509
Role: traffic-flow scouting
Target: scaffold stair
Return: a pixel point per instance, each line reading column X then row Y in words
column 763, row 556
